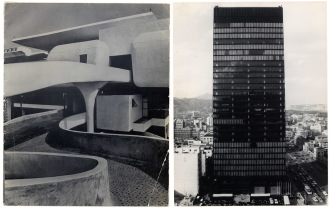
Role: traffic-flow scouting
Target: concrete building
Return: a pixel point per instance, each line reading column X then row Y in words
column 194, row 133
column 317, row 127
column 208, row 138
column 192, row 147
column 308, row 147
column 322, row 141
column 179, row 124
column 289, row 135
column 202, row 134
column 111, row 79
column 301, row 133
column 204, row 126
column 127, row 54
column 209, row 121
column 248, row 68
column 208, row 151
column 318, row 153
column 211, row 130
column 186, row 173
column 325, row 132
column 184, row 133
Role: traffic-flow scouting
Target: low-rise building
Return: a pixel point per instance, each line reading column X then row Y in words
column 318, row 154
column 325, row 132
column 194, row 133
column 183, row 133
column 209, row 121
column 301, row 132
column 207, row 138
column 308, row 147
column 317, row 127
column 321, row 140
column 289, row 135
column 179, row 124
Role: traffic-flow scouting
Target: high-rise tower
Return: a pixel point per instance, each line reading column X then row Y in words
column 248, row 100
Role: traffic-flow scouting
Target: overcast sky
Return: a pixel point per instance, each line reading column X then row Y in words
column 305, row 49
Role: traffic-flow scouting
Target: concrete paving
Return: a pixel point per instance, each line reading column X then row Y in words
column 129, row 184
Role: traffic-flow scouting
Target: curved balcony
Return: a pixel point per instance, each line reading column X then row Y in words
column 50, row 73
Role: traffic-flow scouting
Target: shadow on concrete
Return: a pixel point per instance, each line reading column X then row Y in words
column 24, row 134
column 141, row 165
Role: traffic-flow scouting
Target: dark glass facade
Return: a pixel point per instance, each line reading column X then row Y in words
column 248, row 94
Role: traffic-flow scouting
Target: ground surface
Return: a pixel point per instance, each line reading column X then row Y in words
column 130, row 185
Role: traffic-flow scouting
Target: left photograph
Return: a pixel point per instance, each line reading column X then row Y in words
column 86, row 104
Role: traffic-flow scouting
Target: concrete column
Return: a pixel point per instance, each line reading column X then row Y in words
column 89, row 91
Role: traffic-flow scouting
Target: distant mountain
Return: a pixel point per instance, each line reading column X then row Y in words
column 205, row 96
column 309, row 107
column 193, row 104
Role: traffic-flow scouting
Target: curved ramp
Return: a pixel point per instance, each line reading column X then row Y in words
column 20, row 78
column 144, row 149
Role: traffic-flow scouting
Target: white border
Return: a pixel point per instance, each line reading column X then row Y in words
column 171, row 144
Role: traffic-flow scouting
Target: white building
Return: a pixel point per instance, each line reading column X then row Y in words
column 289, row 135
column 202, row 134
column 179, row 124
column 186, row 173
column 325, row 132
column 301, row 132
column 209, row 121
column 317, row 127
column 207, row 138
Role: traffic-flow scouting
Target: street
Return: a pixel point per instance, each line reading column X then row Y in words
column 304, row 171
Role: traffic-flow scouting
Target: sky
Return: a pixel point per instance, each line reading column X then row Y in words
column 305, row 43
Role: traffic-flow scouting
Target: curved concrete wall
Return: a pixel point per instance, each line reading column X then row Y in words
column 97, row 52
column 20, row 122
column 148, row 149
column 33, row 178
column 13, row 126
column 73, row 121
column 119, row 38
column 150, row 56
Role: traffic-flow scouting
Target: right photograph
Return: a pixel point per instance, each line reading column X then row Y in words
column 250, row 103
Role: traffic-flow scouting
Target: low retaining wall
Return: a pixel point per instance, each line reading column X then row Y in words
column 26, row 120
column 23, row 128
column 33, row 178
column 142, row 148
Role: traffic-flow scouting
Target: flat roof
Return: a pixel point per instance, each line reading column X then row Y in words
column 47, row 41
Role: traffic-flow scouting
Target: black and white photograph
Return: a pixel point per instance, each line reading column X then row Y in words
column 250, row 103
column 86, row 104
